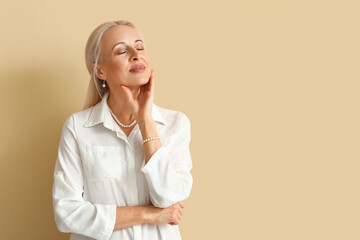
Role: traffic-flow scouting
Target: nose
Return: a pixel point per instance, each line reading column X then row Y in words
column 135, row 56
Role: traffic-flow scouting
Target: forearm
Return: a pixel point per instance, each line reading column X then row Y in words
column 148, row 129
column 134, row 215
column 168, row 173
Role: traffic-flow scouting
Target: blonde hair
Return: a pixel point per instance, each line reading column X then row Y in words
column 92, row 54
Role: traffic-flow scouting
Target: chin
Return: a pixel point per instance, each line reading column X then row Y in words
column 138, row 81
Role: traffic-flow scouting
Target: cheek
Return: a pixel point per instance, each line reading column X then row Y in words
column 116, row 66
column 146, row 58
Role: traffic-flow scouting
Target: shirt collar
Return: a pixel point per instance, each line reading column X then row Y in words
column 101, row 113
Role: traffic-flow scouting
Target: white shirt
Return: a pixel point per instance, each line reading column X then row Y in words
column 98, row 168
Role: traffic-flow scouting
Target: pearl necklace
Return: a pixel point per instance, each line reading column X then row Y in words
column 117, row 120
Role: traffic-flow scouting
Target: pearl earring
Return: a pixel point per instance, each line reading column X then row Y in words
column 103, row 84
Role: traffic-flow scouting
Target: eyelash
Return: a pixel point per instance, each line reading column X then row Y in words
column 136, row 49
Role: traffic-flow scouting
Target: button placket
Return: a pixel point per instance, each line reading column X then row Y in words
column 133, row 195
column 132, row 175
column 131, row 169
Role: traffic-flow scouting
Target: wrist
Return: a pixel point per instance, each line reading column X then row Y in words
column 148, row 128
column 149, row 214
column 144, row 121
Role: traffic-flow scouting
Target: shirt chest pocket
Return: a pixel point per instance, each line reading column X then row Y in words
column 105, row 163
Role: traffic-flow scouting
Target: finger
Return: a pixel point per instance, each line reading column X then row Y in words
column 174, row 220
column 182, row 204
column 178, row 214
column 150, row 85
column 127, row 92
column 179, row 218
column 177, row 221
column 181, row 211
column 152, row 74
column 177, row 206
column 180, row 208
column 146, row 87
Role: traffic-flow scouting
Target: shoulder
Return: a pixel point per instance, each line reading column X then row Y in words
column 173, row 117
column 178, row 126
column 78, row 118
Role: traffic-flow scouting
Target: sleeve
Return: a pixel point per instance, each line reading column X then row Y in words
column 72, row 213
column 168, row 170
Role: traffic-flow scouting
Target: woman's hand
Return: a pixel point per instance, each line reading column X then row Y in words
column 141, row 107
column 170, row 215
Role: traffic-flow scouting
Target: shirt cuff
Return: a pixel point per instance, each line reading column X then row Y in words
column 154, row 160
column 109, row 229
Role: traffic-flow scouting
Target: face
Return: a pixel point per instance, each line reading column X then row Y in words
column 122, row 49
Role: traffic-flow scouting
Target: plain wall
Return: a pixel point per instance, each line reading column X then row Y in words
column 271, row 89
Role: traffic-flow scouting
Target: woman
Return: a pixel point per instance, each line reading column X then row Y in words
column 123, row 166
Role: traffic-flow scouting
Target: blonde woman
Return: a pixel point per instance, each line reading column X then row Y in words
column 123, row 165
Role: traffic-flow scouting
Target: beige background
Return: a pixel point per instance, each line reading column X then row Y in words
column 271, row 89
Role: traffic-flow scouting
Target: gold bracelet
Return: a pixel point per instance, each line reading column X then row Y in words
column 152, row 138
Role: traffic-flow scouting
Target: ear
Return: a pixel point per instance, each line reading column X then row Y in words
column 99, row 72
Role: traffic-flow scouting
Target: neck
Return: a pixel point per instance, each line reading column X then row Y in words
column 117, row 104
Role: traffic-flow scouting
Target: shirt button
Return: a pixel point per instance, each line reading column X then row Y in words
column 59, row 172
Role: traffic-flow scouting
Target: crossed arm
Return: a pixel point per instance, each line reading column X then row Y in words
column 167, row 174
column 133, row 215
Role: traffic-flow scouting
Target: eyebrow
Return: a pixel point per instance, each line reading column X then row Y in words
column 139, row 40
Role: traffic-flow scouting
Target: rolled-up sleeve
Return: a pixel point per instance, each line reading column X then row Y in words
column 168, row 170
column 72, row 213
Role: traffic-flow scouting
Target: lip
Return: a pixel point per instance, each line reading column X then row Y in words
column 138, row 68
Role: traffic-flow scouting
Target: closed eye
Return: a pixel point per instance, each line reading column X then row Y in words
column 136, row 49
